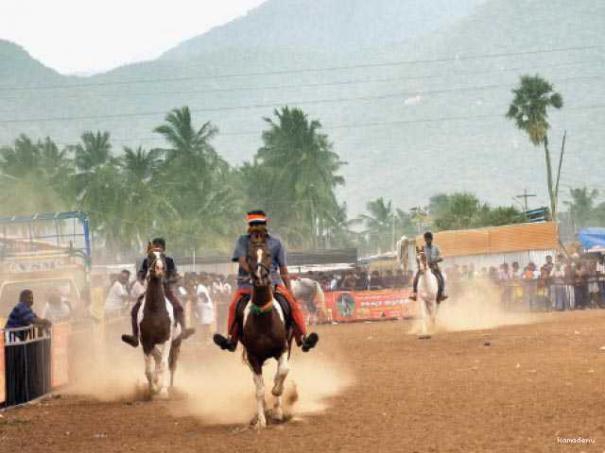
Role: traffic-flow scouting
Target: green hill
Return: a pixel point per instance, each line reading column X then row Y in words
column 433, row 120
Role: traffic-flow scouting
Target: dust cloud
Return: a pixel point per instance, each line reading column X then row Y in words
column 210, row 384
column 477, row 307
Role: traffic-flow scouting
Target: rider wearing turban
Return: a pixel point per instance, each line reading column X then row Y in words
column 257, row 228
column 433, row 257
column 158, row 244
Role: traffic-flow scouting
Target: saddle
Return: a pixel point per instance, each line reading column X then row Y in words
column 281, row 300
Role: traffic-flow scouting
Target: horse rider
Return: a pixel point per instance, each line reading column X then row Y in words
column 433, row 258
column 158, row 245
column 257, row 229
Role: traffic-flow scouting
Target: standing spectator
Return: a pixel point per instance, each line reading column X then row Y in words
column 504, row 279
column 530, row 285
column 600, row 268
column 56, row 309
column 118, row 296
column 581, row 287
column 517, row 289
column 375, row 282
column 22, row 314
column 559, row 293
column 204, row 310
column 569, row 285
column 592, row 282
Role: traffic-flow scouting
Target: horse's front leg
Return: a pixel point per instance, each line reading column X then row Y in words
column 162, row 368
column 278, row 389
column 261, row 420
column 149, row 372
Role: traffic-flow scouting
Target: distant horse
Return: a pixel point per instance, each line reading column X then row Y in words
column 266, row 333
column 160, row 336
column 427, row 294
column 309, row 291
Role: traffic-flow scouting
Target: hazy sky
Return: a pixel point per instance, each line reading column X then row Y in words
column 96, row 35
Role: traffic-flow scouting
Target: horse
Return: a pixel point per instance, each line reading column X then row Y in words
column 160, row 336
column 427, row 294
column 309, row 291
column 265, row 333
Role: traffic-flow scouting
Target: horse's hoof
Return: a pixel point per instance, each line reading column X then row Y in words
column 277, row 415
column 277, row 390
column 259, row 423
column 163, row 394
column 424, row 337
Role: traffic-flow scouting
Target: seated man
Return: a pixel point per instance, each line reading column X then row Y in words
column 257, row 228
column 433, row 258
column 158, row 244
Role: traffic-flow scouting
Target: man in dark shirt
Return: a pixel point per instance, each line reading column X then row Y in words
column 22, row 314
column 171, row 276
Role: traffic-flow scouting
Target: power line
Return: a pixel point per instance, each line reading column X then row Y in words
column 315, row 85
column 277, row 104
column 369, row 124
column 302, row 70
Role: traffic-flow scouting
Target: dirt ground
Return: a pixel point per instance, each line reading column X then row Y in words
column 521, row 388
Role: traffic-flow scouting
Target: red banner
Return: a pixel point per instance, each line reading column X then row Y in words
column 59, row 354
column 349, row 306
column 2, row 369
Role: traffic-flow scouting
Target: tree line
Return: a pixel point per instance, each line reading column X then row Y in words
column 185, row 191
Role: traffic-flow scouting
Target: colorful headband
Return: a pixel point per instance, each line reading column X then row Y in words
column 253, row 218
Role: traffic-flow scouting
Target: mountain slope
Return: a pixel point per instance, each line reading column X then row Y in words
column 336, row 25
column 407, row 130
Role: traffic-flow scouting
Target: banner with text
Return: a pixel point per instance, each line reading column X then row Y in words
column 370, row 305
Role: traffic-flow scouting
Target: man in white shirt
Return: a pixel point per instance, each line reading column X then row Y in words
column 118, row 296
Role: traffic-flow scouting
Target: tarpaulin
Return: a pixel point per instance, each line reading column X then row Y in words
column 592, row 238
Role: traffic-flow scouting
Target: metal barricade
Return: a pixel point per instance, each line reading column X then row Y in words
column 27, row 354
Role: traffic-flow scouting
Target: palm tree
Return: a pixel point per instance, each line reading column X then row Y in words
column 297, row 172
column 529, row 111
column 379, row 223
column 188, row 146
column 33, row 177
column 581, row 206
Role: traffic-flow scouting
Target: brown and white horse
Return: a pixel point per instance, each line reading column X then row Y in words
column 427, row 294
column 265, row 334
column 160, row 336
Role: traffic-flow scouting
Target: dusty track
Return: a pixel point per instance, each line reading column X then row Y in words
column 454, row 393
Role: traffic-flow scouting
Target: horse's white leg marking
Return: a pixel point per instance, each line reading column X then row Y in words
column 162, row 368
column 149, row 371
column 261, row 421
column 278, row 389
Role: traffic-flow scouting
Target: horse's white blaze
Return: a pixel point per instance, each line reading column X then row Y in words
column 259, row 259
column 260, row 400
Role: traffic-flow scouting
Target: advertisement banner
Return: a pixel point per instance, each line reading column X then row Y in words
column 348, row 306
column 59, row 354
column 2, row 369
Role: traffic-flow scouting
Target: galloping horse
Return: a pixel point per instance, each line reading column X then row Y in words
column 309, row 291
column 265, row 332
column 160, row 336
column 427, row 294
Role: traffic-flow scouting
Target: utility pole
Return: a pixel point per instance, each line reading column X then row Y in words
column 525, row 196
